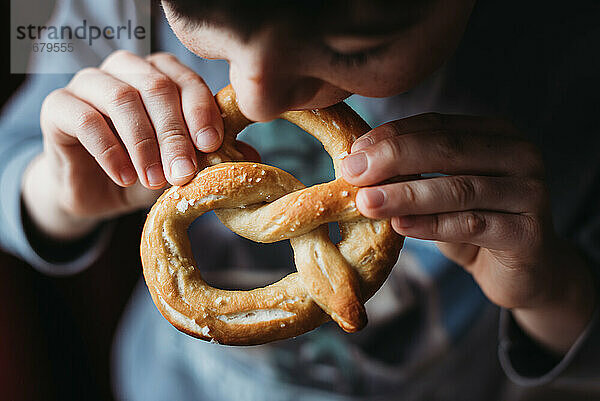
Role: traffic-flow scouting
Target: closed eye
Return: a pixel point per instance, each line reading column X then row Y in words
column 358, row 58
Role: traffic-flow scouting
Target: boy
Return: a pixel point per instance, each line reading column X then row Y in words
column 143, row 118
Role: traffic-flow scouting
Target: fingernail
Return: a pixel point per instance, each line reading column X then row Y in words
column 155, row 176
column 207, row 138
column 128, row 176
column 182, row 167
column 355, row 163
column 361, row 143
column 405, row 221
column 373, row 197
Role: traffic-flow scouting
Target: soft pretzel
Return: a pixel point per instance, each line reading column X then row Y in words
column 266, row 204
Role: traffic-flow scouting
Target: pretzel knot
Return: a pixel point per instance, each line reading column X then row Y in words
column 266, row 204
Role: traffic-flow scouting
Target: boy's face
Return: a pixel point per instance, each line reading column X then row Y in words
column 276, row 69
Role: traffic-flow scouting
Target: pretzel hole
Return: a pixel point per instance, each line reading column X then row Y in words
column 335, row 234
column 247, row 268
column 308, row 150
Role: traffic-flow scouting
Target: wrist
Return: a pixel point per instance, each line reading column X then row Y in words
column 568, row 305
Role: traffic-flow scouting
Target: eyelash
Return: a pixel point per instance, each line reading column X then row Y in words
column 356, row 59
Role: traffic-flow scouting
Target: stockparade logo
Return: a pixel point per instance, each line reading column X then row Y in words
column 59, row 35
column 49, row 39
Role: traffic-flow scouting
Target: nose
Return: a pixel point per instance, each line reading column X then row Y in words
column 268, row 80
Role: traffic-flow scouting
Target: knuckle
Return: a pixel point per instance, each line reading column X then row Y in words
column 172, row 136
column 390, row 129
column 449, row 147
column 108, row 153
column 50, row 115
column 158, row 84
column 51, row 98
column 391, row 148
column 56, row 93
column 462, row 191
column 144, row 145
column 89, row 120
column 190, row 78
column 163, row 55
column 408, row 193
column 473, row 224
column 115, row 56
column 122, row 95
column 203, row 113
column 121, row 53
column 436, row 225
column 84, row 73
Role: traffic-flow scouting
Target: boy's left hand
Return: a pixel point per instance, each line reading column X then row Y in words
column 489, row 213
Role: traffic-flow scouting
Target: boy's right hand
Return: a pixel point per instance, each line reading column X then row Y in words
column 130, row 119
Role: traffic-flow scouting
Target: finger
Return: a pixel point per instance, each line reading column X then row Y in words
column 74, row 121
column 160, row 96
column 248, row 151
column 123, row 105
column 441, row 152
column 453, row 194
column 497, row 231
column 201, row 113
column 431, row 122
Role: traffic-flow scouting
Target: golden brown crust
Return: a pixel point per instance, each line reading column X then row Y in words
column 266, row 204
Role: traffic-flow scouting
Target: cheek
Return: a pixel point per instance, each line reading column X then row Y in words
column 415, row 55
column 403, row 66
column 380, row 78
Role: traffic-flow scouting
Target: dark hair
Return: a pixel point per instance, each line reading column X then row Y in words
column 248, row 16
